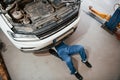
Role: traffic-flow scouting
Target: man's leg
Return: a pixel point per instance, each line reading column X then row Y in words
column 69, row 63
column 79, row 49
column 114, row 21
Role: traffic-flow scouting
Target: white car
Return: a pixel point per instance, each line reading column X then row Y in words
column 34, row 25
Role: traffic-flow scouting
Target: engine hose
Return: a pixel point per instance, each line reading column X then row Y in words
column 51, row 5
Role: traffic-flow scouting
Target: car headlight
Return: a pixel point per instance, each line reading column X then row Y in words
column 23, row 37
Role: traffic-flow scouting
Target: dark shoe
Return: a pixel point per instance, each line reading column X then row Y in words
column 78, row 76
column 88, row 64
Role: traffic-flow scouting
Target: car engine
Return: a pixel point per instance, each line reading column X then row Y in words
column 31, row 15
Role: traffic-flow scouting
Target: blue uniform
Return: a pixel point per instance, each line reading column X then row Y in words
column 114, row 20
column 65, row 51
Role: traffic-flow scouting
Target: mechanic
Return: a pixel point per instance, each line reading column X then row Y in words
column 65, row 52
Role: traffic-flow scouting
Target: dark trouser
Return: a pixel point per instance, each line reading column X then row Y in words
column 65, row 54
column 114, row 20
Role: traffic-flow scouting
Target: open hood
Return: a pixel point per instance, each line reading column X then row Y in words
column 39, row 17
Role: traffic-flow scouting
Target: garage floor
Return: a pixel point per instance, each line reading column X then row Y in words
column 103, row 52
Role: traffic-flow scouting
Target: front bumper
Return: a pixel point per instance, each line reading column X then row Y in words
column 59, row 39
column 40, row 45
column 45, row 44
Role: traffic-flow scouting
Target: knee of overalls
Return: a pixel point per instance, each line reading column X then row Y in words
column 66, row 58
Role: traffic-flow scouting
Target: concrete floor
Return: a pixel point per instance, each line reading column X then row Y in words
column 103, row 52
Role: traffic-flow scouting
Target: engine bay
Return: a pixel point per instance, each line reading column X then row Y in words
column 31, row 15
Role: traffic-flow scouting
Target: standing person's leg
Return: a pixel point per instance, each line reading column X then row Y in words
column 114, row 20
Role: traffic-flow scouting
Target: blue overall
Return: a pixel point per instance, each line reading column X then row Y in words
column 65, row 51
column 114, row 20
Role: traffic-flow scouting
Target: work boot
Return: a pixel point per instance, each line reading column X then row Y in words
column 87, row 64
column 78, row 76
